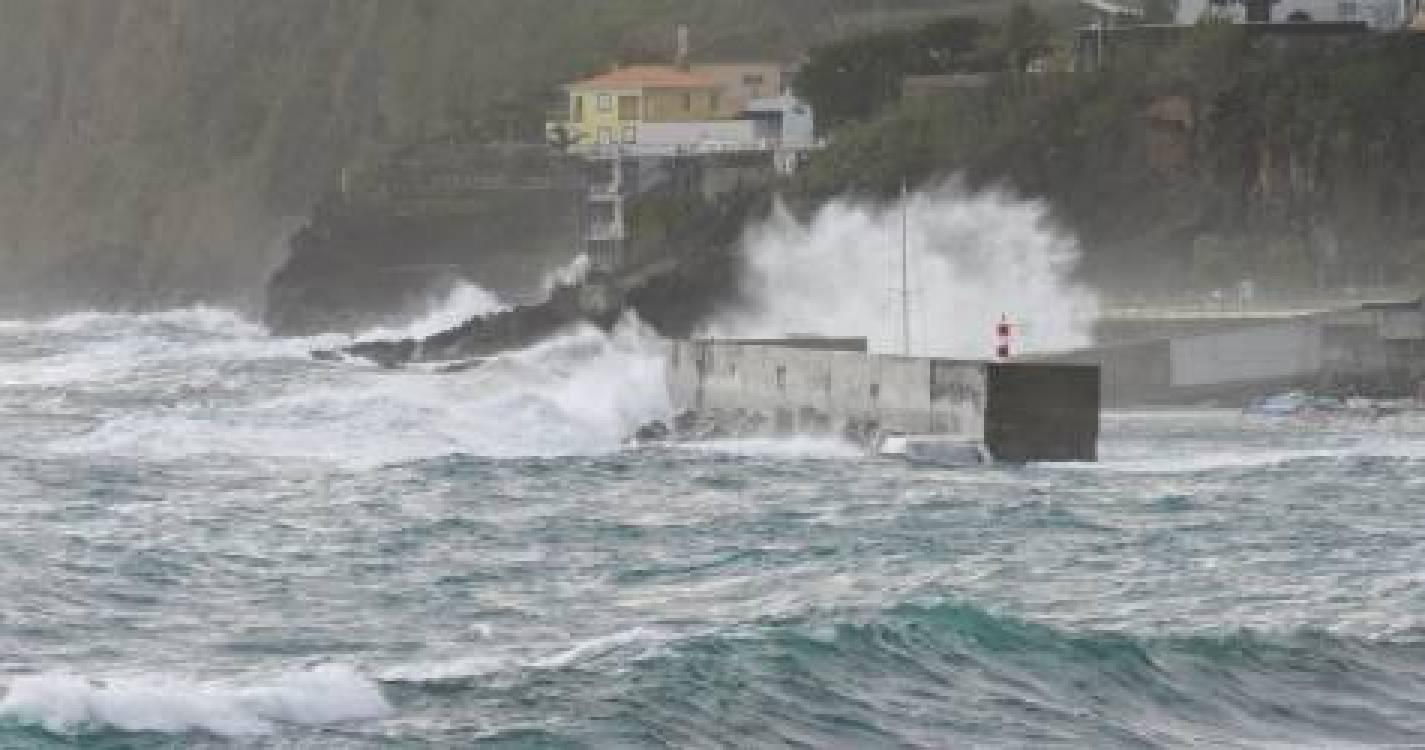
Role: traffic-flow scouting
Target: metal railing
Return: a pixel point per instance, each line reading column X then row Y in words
column 617, row 150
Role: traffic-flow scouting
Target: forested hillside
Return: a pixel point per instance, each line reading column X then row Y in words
column 1296, row 165
column 158, row 151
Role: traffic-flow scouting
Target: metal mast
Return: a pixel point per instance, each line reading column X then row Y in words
column 905, row 268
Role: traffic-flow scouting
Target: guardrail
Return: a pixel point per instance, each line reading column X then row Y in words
column 616, row 150
column 1265, row 309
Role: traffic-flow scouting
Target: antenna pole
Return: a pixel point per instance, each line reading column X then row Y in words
column 905, row 267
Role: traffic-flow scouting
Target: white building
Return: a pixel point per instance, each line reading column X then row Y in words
column 1378, row 14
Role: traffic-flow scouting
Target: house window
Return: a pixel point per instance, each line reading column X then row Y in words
column 578, row 109
column 606, row 103
column 752, row 80
column 687, row 102
column 629, row 134
column 781, row 377
column 1349, row 10
column 606, row 135
column 713, row 101
column 628, row 108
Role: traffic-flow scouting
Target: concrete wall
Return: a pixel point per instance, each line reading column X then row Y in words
column 1021, row 412
column 1374, row 349
column 1042, row 413
column 807, row 388
column 1264, row 353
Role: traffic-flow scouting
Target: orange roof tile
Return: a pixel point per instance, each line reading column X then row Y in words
column 648, row 76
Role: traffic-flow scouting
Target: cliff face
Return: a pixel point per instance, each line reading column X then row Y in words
column 155, row 152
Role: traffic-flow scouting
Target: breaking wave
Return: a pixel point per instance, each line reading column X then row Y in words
column 463, row 302
column 206, row 382
column 68, row 704
column 973, row 257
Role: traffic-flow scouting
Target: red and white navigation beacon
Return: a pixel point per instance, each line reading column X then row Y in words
column 1002, row 335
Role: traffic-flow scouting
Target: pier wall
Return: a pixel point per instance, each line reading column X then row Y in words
column 1020, row 412
column 1374, row 349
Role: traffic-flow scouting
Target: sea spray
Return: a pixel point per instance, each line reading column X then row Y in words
column 569, row 274
column 464, row 300
column 580, row 392
column 971, row 258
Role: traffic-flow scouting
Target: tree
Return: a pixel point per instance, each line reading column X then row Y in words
column 1024, row 37
column 855, row 78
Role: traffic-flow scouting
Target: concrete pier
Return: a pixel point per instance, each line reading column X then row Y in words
column 1018, row 412
column 1372, row 349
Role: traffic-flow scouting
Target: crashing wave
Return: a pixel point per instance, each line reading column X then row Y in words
column 67, row 704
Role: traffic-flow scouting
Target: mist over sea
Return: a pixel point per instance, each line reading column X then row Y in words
column 210, row 539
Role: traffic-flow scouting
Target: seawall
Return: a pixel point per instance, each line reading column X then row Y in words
column 1375, row 349
column 1019, row 412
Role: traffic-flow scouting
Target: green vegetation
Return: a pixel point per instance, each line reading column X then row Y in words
column 857, row 77
column 1208, row 160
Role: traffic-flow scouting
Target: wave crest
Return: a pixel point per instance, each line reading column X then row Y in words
column 70, row 704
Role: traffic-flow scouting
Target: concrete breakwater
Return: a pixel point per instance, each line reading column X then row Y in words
column 1018, row 412
column 1370, row 349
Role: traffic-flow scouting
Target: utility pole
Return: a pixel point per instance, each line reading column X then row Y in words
column 905, row 267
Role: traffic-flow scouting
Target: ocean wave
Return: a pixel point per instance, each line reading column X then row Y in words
column 924, row 675
column 200, row 317
column 580, row 393
column 462, row 302
column 786, row 447
column 1117, row 460
column 632, row 644
column 68, row 704
column 107, row 350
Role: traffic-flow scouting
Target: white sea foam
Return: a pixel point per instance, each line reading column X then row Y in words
column 791, row 447
column 199, row 318
column 571, row 273
column 972, row 258
column 463, row 302
column 643, row 638
column 108, row 348
column 1151, row 460
column 635, row 643
column 1196, row 463
column 581, row 392
column 68, row 704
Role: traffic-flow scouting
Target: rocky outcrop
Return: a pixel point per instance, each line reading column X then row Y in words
column 403, row 232
column 672, row 297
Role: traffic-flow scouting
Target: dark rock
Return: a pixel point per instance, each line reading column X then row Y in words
column 653, row 432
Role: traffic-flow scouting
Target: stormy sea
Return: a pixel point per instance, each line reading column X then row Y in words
column 210, row 539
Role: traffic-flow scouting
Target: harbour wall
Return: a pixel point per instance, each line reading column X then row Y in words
column 1370, row 350
column 1019, row 412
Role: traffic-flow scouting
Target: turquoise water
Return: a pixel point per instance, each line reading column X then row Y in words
column 210, row 540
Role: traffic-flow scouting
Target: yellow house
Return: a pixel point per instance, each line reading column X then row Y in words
column 745, row 82
column 609, row 108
